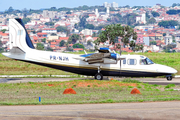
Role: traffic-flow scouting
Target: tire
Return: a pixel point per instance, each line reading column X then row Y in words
column 169, row 78
column 98, row 76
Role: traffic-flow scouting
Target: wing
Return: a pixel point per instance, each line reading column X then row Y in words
column 100, row 58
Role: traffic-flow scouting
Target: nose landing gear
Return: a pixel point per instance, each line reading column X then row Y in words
column 169, row 77
column 98, row 76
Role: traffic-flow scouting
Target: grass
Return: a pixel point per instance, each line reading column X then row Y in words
column 12, row 67
column 88, row 91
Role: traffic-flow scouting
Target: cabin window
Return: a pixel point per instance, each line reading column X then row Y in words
column 132, row 62
column 124, row 61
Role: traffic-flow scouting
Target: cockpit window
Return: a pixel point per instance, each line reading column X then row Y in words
column 146, row 61
column 149, row 61
column 143, row 62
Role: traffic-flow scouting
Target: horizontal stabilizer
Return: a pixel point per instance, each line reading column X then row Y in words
column 16, row 50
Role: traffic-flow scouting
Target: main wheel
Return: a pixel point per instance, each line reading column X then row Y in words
column 98, row 76
column 169, row 78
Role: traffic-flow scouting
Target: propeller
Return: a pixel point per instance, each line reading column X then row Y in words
column 120, row 57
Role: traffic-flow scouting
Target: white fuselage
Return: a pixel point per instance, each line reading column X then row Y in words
column 70, row 63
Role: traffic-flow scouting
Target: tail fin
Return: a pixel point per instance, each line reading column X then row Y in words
column 18, row 36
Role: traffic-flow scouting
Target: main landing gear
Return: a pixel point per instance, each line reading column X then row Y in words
column 98, row 76
column 169, row 77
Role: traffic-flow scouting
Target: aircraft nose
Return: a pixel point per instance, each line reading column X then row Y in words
column 171, row 70
column 166, row 69
column 174, row 70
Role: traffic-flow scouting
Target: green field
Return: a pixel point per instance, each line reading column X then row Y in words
column 88, row 91
column 12, row 67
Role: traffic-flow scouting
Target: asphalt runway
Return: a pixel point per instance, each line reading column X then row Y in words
column 158, row 81
column 115, row 111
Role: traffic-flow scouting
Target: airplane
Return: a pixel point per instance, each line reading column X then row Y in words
column 103, row 63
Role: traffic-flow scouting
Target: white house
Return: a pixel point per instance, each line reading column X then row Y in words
column 49, row 30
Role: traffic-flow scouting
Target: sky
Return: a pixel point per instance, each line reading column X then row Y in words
column 38, row 4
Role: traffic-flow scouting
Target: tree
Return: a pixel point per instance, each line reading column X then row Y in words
column 153, row 43
column 1, row 43
column 49, row 23
column 78, row 46
column 26, row 20
column 99, row 27
column 141, row 47
column 89, row 42
column 73, row 38
column 169, row 47
column 49, row 49
column 173, row 38
column 76, row 26
column 174, row 4
column 69, row 49
column 164, row 34
column 173, row 12
column 132, row 44
column 152, row 21
column 62, row 43
column 89, row 26
column 129, row 19
column 109, row 19
column 44, row 40
column 40, row 46
column 61, row 29
column 82, row 22
column 53, row 9
column 155, row 14
column 68, row 12
column 4, row 30
column 116, row 30
column 1, row 50
column 10, row 10
column 147, row 16
column 167, row 24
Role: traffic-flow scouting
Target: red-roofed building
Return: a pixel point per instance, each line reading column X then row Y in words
column 70, row 45
column 64, row 38
column 56, row 25
column 53, row 45
column 4, row 36
column 78, row 49
column 35, row 39
column 42, row 34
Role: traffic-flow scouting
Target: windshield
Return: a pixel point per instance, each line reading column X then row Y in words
column 149, row 61
column 146, row 61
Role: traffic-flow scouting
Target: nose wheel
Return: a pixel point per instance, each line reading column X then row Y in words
column 98, row 76
column 169, row 78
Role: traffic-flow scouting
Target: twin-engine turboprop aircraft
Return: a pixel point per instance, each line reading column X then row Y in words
column 103, row 63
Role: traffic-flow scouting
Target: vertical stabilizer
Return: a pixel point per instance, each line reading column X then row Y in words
column 18, row 36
